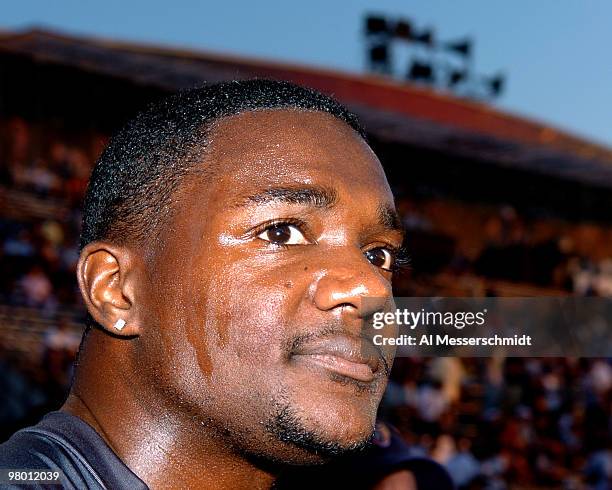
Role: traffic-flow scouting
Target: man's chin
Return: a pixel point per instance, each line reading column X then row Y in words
column 315, row 443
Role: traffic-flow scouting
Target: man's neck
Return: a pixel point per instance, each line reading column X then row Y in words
column 162, row 449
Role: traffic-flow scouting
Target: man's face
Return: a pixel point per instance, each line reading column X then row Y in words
column 254, row 301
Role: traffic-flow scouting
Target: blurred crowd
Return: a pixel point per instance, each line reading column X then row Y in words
column 43, row 180
column 497, row 244
column 531, row 421
column 489, row 421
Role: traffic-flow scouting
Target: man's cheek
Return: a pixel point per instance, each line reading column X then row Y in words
column 259, row 325
column 251, row 306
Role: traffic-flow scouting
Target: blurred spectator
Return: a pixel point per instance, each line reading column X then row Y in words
column 463, row 467
column 37, row 287
column 19, row 246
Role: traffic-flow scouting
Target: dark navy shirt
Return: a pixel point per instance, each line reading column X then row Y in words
column 63, row 442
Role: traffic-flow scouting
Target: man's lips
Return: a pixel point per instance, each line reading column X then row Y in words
column 345, row 355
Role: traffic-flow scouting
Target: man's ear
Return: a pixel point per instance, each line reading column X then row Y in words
column 106, row 275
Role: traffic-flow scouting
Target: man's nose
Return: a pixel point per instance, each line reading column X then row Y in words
column 352, row 284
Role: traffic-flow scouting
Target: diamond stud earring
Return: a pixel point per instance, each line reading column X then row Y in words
column 119, row 324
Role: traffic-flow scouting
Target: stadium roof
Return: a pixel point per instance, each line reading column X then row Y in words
column 391, row 111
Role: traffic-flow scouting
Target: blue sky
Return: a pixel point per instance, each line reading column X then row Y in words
column 555, row 52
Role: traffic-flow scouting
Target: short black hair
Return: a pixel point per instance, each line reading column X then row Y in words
column 132, row 182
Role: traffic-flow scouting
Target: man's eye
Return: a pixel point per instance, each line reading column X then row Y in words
column 380, row 257
column 283, row 234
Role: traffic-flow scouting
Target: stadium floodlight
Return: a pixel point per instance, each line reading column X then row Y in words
column 462, row 47
column 377, row 25
column 379, row 59
column 378, row 35
column 420, row 71
column 424, row 37
column 429, row 58
column 403, row 30
column 496, row 85
column 456, row 77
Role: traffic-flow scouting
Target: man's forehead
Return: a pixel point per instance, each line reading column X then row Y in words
column 275, row 147
column 276, row 132
column 279, row 122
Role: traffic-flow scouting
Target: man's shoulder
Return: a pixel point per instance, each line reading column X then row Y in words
column 27, row 449
column 64, row 443
column 40, row 448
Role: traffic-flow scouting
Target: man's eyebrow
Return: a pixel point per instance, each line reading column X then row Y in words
column 389, row 218
column 316, row 196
